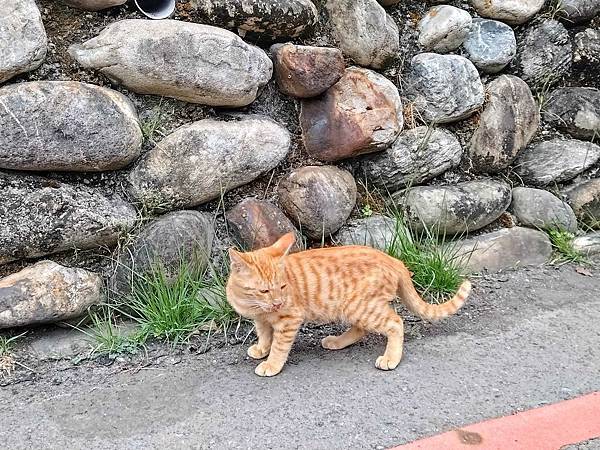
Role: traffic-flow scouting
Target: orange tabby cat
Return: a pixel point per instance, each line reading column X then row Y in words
column 352, row 284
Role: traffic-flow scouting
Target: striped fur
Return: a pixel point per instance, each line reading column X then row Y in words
column 351, row 284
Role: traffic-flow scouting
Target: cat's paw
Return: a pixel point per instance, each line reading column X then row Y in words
column 264, row 369
column 331, row 343
column 257, row 352
column 386, row 363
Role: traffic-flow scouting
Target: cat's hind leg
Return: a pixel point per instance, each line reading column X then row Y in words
column 351, row 336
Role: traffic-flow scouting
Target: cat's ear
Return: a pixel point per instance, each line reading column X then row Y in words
column 283, row 245
column 238, row 262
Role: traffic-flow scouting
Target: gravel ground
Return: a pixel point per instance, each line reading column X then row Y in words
column 525, row 338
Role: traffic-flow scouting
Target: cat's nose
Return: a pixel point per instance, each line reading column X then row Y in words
column 277, row 304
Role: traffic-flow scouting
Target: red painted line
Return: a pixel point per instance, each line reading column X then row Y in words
column 546, row 428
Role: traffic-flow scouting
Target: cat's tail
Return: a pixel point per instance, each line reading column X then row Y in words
column 416, row 305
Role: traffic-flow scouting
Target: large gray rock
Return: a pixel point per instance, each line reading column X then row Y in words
column 555, row 161
column 416, row 156
column 306, row 71
column 508, row 123
column 361, row 113
column 444, row 28
column 375, row 231
column 257, row 224
column 444, row 88
column 575, row 110
column 200, row 161
column 191, row 62
column 259, row 19
column 544, row 54
column 575, row 11
column 40, row 216
column 66, row 126
column 504, row 249
column 537, row 208
column 47, row 292
column 490, row 45
column 365, row 32
column 461, row 208
column 513, row 12
column 318, row 198
column 22, row 37
column 175, row 239
column 584, row 198
column 94, row 5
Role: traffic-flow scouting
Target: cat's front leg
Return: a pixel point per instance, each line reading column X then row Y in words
column 284, row 334
column 264, row 332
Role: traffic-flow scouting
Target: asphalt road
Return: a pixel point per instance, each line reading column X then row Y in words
column 525, row 339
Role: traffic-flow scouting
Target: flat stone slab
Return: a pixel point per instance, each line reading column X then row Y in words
column 59, row 343
column 504, row 249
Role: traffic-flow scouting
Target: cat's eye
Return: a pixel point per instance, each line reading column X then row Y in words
column 263, row 291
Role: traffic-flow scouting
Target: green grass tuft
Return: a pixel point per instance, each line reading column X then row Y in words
column 438, row 270
column 175, row 307
column 153, row 126
column 366, row 210
column 109, row 338
column 562, row 241
column 7, row 344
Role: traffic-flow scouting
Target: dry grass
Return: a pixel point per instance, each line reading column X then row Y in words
column 8, row 361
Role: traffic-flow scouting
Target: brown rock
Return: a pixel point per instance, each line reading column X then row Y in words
column 47, row 292
column 94, row 5
column 318, row 198
column 303, row 71
column 259, row 223
column 361, row 113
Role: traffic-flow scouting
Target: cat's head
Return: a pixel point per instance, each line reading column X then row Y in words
column 257, row 280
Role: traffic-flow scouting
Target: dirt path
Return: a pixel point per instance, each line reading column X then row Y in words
column 525, row 339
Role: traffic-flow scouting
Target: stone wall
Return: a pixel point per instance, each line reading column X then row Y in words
column 124, row 139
